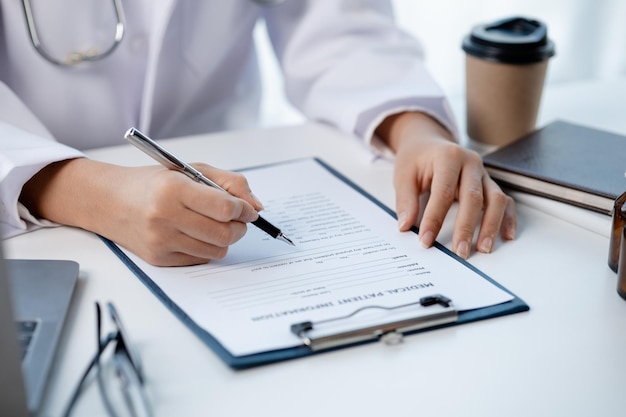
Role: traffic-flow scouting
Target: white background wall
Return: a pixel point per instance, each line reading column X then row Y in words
column 590, row 38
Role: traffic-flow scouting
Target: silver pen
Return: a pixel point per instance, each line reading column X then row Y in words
column 169, row 160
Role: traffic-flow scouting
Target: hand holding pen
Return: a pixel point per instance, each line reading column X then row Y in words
column 170, row 161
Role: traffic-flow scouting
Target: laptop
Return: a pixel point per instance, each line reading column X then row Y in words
column 34, row 299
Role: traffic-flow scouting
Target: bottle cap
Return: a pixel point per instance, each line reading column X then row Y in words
column 514, row 40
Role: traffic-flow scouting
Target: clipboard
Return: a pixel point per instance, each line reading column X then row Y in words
column 426, row 313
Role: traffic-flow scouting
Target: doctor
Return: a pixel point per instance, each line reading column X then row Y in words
column 76, row 74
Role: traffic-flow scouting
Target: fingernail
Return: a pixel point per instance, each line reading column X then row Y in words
column 510, row 233
column 402, row 218
column 462, row 249
column 486, row 245
column 427, row 239
column 257, row 202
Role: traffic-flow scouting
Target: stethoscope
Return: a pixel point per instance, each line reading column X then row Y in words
column 74, row 58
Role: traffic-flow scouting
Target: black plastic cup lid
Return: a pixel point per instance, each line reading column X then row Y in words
column 515, row 40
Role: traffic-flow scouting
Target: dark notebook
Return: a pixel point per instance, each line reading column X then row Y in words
column 564, row 161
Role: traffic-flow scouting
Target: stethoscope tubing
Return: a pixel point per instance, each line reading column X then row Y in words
column 75, row 58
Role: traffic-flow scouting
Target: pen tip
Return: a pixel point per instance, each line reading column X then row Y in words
column 285, row 239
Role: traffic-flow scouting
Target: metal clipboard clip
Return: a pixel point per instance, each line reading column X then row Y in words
column 433, row 310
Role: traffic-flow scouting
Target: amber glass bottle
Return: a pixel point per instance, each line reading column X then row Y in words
column 619, row 221
column 621, row 270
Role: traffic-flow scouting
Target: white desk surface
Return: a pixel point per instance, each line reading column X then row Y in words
column 565, row 357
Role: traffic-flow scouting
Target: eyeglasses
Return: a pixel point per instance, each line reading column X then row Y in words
column 125, row 371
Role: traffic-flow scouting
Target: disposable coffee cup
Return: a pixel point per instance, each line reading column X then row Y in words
column 505, row 68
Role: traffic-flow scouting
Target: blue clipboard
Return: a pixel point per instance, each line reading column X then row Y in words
column 444, row 316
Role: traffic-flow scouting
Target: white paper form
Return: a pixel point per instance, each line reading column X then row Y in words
column 348, row 254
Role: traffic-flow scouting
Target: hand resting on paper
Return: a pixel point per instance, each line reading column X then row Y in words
column 160, row 215
column 428, row 160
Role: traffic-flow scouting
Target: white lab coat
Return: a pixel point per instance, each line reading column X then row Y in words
column 187, row 67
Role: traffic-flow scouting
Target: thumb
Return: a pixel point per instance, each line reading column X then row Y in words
column 247, row 213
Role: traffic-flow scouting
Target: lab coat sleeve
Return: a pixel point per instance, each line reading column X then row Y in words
column 25, row 148
column 346, row 63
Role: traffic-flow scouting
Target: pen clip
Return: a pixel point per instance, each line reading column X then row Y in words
column 165, row 157
column 154, row 150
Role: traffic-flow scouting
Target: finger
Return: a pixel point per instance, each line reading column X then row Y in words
column 509, row 221
column 471, row 203
column 233, row 182
column 181, row 250
column 211, row 232
column 496, row 203
column 442, row 195
column 407, row 198
column 216, row 204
